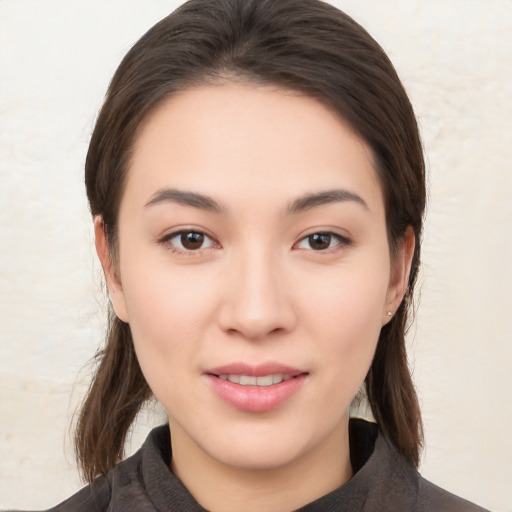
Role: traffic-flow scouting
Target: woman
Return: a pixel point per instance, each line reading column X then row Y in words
column 256, row 180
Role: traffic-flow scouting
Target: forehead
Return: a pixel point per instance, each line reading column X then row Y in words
column 237, row 140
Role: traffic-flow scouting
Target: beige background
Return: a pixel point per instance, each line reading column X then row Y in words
column 56, row 58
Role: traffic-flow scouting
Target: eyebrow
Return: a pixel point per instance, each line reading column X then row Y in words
column 186, row 198
column 314, row 200
column 204, row 202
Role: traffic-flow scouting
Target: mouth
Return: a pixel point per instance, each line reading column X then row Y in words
column 256, row 388
column 251, row 380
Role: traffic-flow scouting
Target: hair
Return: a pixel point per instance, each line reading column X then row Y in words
column 302, row 45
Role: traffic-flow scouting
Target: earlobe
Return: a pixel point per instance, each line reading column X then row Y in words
column 400, row 271
column 112, row 279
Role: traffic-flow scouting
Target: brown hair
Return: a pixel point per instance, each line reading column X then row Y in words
column 303, row 45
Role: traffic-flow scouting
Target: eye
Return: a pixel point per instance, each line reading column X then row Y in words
column 188, row 241
column 322, row 241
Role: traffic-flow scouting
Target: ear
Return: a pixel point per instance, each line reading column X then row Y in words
column 399, row 277
column 115, row 290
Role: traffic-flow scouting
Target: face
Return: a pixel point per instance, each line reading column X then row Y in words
column 254, row 271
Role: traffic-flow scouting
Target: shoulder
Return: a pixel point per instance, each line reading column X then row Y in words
column 102, row 493
column 93, row 498
column 432, row 498
column 125, row 486
column 388, row 482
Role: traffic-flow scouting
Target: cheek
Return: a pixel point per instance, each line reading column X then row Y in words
column 344, row 315
column 347, row 300
column 168, row 316
column 168, row 311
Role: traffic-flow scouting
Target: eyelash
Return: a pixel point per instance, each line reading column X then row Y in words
column 340, row 240
column 167, row 242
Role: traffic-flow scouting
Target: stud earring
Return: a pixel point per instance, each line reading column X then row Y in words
column 389, row 313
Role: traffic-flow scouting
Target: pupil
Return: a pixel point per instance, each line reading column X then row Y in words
column 319, row 241
column 192, row 240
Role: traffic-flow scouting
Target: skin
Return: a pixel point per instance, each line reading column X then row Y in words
column 258, row 290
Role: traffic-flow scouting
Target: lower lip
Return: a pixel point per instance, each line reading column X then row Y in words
column 256, row 398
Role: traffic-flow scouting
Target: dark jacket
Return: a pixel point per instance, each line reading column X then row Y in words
column 383, row 482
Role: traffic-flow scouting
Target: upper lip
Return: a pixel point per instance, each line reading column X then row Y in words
column 259, row 370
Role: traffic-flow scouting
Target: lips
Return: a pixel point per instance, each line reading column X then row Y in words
column 258, row 388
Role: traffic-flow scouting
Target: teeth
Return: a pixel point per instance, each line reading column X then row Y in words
column 250, row 380
column 267, row 380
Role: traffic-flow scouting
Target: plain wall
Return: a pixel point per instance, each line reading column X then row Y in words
column 56, row 59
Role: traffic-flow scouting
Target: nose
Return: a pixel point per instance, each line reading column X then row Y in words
column 257, row 302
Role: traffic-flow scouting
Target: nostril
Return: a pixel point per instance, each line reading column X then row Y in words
column 249, row 316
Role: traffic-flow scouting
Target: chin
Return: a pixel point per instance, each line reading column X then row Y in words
column 264, row 447
column 259, row 455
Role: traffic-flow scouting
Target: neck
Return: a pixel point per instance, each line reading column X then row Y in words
column 220, row 487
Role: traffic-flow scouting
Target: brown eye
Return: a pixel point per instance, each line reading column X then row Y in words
column 192, row 240
column 322, row 241
column 187, row 241
column 319, row 241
